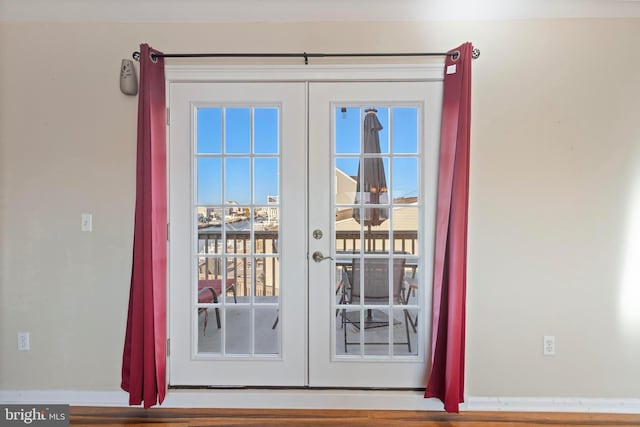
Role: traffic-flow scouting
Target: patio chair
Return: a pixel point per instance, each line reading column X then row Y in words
column 208, row 291
column 376, row 291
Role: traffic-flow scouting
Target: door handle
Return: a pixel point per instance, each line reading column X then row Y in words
column 318, row 257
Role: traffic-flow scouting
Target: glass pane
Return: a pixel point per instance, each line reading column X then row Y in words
column 237, row 321
column 209, row 335
column 398, row 285
column 267, row 272
column 405, row 230
column 237, row 233
column 210, row 289
column 209, row 269
column 266, row 130
column 239, row 273
column 411, row 282
column 405, row 180
column 342, row 281
column 376, row 238
column 265, row 227
column 376, row 331
column 375, row 281
column 348, row 332
column 209, row 131
column 237, row 130
column 208, row 216
column 405, row 130
column 237, row 180
column 383, row 134
column 347, row 232
column 374, row 181
column 265, row 179
column 346, row 180
column 405, row 338
column 267, row 334
column 348, row 125
column 208, row 181
column 209, row 237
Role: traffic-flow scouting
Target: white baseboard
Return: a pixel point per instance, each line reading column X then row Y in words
column 553, row 404
column 65, row 397
column 324, row 399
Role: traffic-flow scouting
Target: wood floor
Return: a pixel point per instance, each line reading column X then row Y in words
column 108, row 417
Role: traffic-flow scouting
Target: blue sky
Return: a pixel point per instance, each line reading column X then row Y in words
column 403, row 168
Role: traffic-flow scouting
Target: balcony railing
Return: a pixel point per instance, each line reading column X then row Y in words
column 404, row 241
column 265, row 254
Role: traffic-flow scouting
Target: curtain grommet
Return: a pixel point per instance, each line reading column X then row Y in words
column 153, row 57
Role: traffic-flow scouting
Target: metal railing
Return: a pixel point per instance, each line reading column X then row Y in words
column 264, row 258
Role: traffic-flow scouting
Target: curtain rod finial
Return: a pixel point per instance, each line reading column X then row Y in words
column 475, row 54
column 136, row 56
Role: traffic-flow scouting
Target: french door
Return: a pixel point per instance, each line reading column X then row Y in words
column 237, row 272
column 375, row 203
column 288, row 265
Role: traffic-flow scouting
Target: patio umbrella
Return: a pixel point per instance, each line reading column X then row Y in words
column 372, row 184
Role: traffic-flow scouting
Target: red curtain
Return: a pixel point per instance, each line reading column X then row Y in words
column 144, row 356
column 446, row 379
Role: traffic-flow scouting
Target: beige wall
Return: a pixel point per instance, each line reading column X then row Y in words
column 555, row 176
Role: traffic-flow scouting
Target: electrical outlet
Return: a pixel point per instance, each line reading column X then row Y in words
column 23, row 341
column 549, row 345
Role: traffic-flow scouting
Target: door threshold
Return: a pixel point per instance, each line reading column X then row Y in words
column 299, row 398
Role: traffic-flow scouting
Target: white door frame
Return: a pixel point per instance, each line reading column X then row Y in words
column 285, row 73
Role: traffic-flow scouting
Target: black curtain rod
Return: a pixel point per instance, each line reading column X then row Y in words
column 305, row 55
